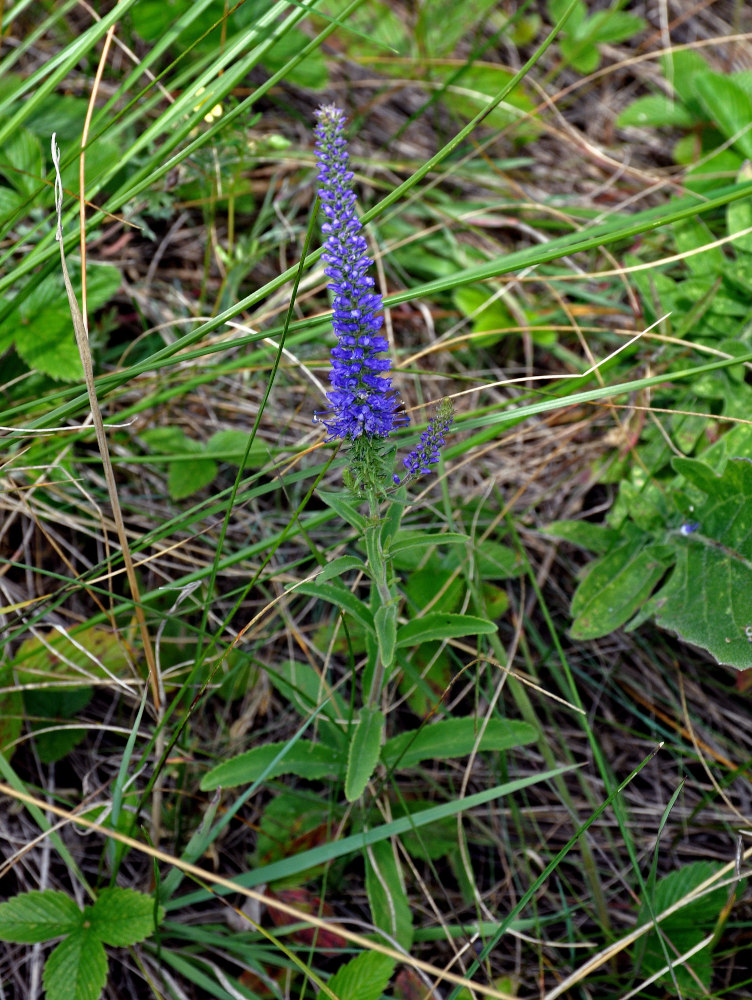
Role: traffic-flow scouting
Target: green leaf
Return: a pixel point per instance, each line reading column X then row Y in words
column 454, row 738
column 307, row 760
column 729, row 106
column 364, row 977
column 655, row 110
column 390, row 909
column 21, row 162
column 230, row 445
column 11, row 712
column 38, row 916
column 121, row 917
column 188, row 476
column 706, row 599
column 365, row 749
column 683, row 929
column 616, row 586
column 341, row 597
column 338, row 567
column 586, row 534
column 408, row 540
column 442, row 626
column 614, row 26
column 345, row 510
column 739, row 216
column 76, row 969
column 47, row 344
column 385, row 623
column 306, row 689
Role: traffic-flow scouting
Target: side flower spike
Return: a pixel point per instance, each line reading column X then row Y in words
column 362, row 401
column 420, row 459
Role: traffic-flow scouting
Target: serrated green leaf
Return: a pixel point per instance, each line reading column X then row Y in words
column 341, row 597
column 365, row 748
column 121, row 917
column 616, row 586
column 307, row 760
column 452, row 738
column 364, row 977
column 442, row 626
column 38, row 916
column 76, row 969
column 684, row 929
column 385, row 623
column 390, row 908
column 729, row 107
column 655, row 110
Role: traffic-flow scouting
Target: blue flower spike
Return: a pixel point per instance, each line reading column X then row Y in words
column 362, row 401
column 420, row 459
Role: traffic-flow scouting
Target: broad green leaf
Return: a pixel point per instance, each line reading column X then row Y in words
column 340, row 566
column 488, row 314
column 345, row 510
column 306, row 689
column 442, row 626
column 230, row 445
column 38, row 916
column 121, row 917
column 189, row 475
column 290, row 821
column 616, row 586
column 586, row 534
column 364, row 977
column 307, row 760
column 365, row 749
column 47, row 343
column 390, row 909
column 655, row 110
column 683, row 929
column 454, row 738
column 729, row 106
column 21, row 162
column 76, row 969
column 739, row 216
column 614, row 26
column 77, row 655
column 341, row 597
column 11, row 713
column 385, row 623
column 706, row 600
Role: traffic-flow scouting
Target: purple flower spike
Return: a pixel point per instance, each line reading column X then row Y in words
column 362, row 399
column 420, row 459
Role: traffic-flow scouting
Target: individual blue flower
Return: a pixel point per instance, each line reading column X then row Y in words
column 362, row 401
column 420, row 459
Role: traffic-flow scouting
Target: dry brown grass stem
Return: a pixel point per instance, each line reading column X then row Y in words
column 82, row 341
